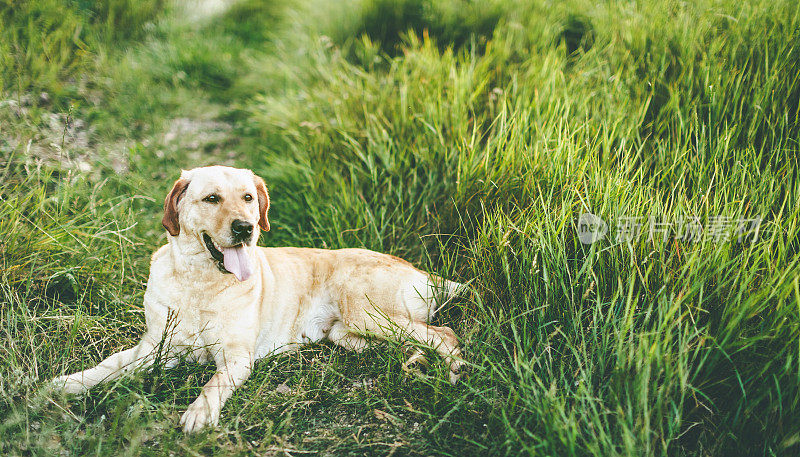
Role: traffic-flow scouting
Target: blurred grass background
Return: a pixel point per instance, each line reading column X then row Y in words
column 465, row 136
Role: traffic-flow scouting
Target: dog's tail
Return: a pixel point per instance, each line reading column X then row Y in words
column 452, row 289
column 444, row 291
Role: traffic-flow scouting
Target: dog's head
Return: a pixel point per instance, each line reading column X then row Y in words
column 222, row 208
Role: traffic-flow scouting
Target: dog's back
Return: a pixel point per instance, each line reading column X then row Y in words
column 355, row 277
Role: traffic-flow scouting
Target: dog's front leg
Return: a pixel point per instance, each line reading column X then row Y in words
column 114, row 366
column 232, row 371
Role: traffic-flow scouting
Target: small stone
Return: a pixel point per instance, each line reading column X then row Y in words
column 283, row 389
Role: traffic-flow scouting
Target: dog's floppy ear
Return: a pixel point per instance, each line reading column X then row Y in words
column 263, row 203
column 170, row 219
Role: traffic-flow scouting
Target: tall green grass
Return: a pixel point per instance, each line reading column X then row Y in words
column 466, row 137
column 50, row 45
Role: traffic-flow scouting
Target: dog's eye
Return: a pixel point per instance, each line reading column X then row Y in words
column 248, row 197
column 213, row 198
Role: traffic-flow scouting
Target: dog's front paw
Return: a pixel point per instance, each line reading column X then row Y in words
column 199, row 415
column 68, row 384
column 457, row 369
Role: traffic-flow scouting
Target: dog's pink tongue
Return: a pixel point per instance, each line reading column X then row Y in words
column 237, row 262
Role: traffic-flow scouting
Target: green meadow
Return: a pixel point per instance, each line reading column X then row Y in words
column 465, row 136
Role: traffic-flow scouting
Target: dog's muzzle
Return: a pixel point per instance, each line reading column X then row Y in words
column 232, row 259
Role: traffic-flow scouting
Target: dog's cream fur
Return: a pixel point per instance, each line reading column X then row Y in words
column 193, row 306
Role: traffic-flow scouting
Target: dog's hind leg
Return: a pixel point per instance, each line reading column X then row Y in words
column 341, row 335
column 442, row 339
column 112, row 367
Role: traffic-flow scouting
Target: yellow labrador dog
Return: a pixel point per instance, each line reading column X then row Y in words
column 220, row 297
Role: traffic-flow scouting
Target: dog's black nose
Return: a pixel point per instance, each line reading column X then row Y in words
column 241, row 230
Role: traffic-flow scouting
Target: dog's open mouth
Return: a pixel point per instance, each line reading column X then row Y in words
column 232, row 259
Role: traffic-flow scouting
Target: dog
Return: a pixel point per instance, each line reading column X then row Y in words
column 221, row 298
